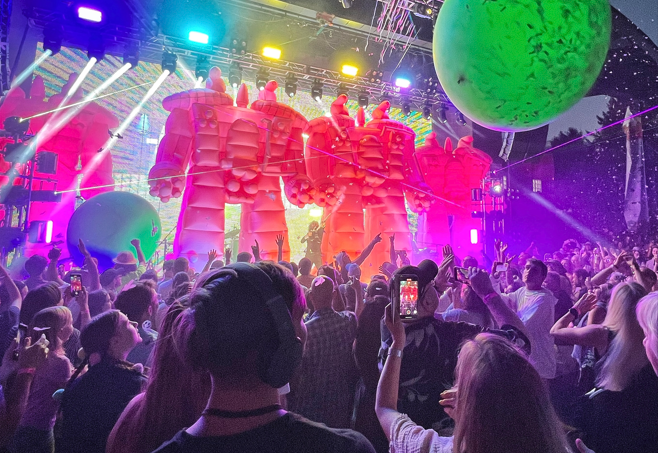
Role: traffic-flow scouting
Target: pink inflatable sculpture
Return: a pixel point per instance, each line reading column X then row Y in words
column 450, row 174
column 357, row 167
column 75, row 141
column 236, row 154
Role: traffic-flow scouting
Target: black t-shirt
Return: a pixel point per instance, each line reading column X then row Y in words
column 93, row 404
column 291, row 433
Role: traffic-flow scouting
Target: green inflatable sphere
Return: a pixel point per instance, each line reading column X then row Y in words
column 515, row 65
column 108, row 222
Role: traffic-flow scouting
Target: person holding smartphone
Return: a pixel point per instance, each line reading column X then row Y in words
column 429, row 354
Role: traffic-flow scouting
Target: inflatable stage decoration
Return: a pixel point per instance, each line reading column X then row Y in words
column 356, row 167
column 76, row 141
column 451, row 175
column 514, row 66
column 96, row 221
column 236, row 154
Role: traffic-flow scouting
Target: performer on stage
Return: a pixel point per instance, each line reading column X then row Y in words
column 313, row 241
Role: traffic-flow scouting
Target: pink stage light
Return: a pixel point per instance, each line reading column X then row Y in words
column 49, row 231
column 474, row 236
column 90, row 14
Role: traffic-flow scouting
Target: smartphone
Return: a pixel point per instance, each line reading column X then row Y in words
column 405, row 296
column 21, row 333
column 502, row 267
column 460, row 274
column 76, row 284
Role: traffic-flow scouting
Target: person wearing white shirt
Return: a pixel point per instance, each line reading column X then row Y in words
column 535, row 306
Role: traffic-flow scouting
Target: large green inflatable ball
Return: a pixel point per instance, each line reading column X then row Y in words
column 515, row 65
column 108, row 222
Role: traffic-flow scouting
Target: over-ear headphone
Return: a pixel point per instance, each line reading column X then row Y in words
column 275, row 367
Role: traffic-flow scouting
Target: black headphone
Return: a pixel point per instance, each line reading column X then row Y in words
column 275, row 368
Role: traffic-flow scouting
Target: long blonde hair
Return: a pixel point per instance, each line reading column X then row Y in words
column 625, row 356
column 647, row 316
column 502, row 403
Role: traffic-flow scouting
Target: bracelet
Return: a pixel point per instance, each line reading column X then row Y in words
column 27, row 371
column 392, row 352
column 573, row 312
column 489, row 296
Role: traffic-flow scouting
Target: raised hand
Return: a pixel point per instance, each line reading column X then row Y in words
column 54, row 254
column 135, row 243
column 279, row 240
column 480, row 282
column 448, row 401
column 377, row 239
column 395, row 326
column 227, row 254
column 83, row 248
column 585, row 303
column 212, row 255
column 255, row 249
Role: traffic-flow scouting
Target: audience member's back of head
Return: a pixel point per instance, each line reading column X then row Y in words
column 244, row 257
column 179, row 278
column 322, row 290
column 44, row 296
column 229, row 330
column 305, row 266
column 377, row 288
column 49, row 322
column 36, row 265
column 287, row 265
column 96, row 336
column 135, row 302
column 98, row 302
column 149, row 275
column 502, row 404
column 181, row 264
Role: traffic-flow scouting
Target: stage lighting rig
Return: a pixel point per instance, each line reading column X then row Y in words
column 52, row 39
column 316, row 90
column 169, row 60
column 291, row 86
column 131, row 56
column 374, row 76
column 235, row 75
column 346, row 3
column 16, row 127
column 238, row 46
column 460, row 119
column 424, row 10
column 363, row 99
column 342, row 89
column 202, row 67
column 262, row 77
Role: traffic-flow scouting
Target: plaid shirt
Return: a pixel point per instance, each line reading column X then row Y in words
column 323, row 390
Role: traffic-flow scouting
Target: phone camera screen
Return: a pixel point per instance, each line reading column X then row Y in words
column 408, row 298
column 76, row 284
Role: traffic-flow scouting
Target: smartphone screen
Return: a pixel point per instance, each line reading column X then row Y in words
column 76, row 284
column 460, row 273
column 408, row 296
column 502, row 267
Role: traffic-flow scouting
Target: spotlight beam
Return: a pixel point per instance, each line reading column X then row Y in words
column 95, row 161
column 20, row 78
column 78, row 81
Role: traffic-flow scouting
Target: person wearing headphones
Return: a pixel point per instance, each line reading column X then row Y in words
column 244, row 326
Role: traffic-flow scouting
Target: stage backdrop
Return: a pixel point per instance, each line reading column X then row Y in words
column 135, row 153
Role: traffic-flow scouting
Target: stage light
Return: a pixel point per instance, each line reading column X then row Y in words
column 291, row 86
column 81, row 77
column 169, row 60
column 342, row 89
column 197, row 36
column 363, row 99
column 96, row 49
column 152, row 141
column 460, row 119
column 49, row 231
column 349, row 70
column 131, row 56
column 442, row 114
column 496, row 189
column 474, row 236
column 476, row 194
column 52, row 39
column 401, row 82
column 202, row 68
column 406, row 107
column 427, row 111
column 262, row 77
column 90, row 14
column 238, row 46
column 272, row 52
column 374, row 76
column 27, row 72
column 235, row 75
column 316, row 90
column 421, row 10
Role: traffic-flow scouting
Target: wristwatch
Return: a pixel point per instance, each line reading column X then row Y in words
column 573, row 312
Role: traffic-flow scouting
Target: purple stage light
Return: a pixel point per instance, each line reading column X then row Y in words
column 90, row 14
column 49, row 231
column 474, row 236
column 401, row 82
